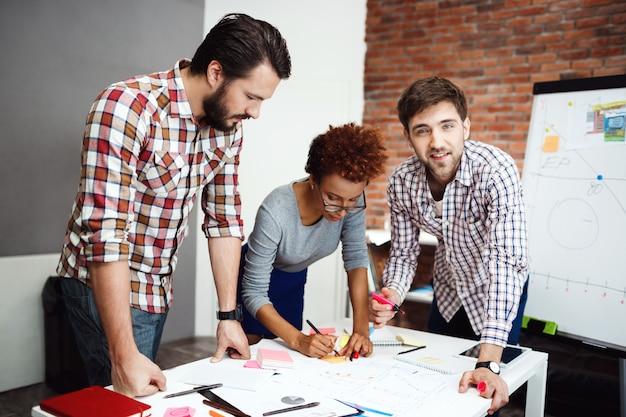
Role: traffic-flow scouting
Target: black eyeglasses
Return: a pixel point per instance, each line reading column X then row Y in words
column 333, row 208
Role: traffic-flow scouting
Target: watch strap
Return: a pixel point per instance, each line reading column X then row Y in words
column 236, row 314
column 492, row 366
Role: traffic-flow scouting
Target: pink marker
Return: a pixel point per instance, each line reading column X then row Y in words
column 383, row 300
column 482, row 386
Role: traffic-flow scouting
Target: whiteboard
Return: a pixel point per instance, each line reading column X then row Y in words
column 574, row 179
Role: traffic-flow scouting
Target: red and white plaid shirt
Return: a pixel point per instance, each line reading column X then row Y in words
column 144, row 159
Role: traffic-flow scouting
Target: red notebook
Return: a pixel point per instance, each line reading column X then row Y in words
column 95, row 401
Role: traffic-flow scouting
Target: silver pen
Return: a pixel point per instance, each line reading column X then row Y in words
column 294, row 408
column 191, row 391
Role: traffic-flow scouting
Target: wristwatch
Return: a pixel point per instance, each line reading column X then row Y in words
column 492, row 366
column 236, row 314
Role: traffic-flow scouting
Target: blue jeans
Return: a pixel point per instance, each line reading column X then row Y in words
column 90, row 337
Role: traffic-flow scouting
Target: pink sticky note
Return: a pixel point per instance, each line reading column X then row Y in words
column 323, row 330
column 252, row 363
column 180, row 412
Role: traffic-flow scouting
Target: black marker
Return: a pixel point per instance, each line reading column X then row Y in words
column 412, row 350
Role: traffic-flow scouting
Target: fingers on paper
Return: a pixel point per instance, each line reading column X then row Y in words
column 219, row 352
column 489, row 386
column 358, row 344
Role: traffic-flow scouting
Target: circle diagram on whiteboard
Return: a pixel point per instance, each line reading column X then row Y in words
column 580, row 233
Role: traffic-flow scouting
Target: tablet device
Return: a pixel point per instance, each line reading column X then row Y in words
column 509, row 354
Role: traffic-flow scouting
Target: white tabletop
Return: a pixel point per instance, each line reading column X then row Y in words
column 445, row 398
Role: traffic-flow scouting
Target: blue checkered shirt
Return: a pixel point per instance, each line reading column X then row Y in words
column 481, row 258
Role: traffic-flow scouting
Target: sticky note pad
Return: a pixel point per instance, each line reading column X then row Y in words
column 180, row 411
column 252, row 364
column 550, row 143
column 334, row 359
column 324, row 330
column 410, row 340
column 344, row 340
column 274, row 358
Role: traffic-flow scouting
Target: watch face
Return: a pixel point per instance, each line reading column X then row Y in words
column 494, row 367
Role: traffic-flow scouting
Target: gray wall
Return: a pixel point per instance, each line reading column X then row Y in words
column 56, row 57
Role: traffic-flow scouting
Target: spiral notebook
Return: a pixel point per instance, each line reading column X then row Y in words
column 380, row 337
column 439, row 363
column 384, row 337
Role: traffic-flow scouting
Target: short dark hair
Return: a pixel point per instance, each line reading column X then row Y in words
column 354, row 152
column 426, row 92
column 240, row 43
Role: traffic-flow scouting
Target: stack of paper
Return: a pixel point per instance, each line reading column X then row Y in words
column 273, row 358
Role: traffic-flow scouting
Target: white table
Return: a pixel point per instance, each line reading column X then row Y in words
column 531, row 368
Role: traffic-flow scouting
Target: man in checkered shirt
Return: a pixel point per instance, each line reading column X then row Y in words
column 468, row 195
column 151, row 144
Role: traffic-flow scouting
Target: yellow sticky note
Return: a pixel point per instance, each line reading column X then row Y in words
column 409, row 340
column 550, row 143
column 344, row 340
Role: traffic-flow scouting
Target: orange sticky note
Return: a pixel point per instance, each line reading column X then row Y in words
column 334, row 359
column 550, row 143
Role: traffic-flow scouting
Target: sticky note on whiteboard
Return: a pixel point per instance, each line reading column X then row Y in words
column 550, row 143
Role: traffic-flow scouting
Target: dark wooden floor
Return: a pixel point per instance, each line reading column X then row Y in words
column 19, row 402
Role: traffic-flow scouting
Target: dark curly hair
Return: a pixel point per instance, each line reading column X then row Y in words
column 354, row 152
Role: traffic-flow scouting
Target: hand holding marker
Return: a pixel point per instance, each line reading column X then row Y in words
column 383, row 300
column 320, row 333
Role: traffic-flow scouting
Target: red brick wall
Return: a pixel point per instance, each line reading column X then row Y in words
column 495, row 50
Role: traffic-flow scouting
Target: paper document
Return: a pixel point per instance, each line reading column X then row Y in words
column 237, row 377
column 281, row 393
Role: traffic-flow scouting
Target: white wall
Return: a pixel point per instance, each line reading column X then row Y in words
column 326, row 40
column 21, row 318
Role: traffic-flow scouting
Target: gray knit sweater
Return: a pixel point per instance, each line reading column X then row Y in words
column 279, row 240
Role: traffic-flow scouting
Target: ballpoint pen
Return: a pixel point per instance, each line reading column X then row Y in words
column 383, row 300
column 191, row 391
column 294, row 408
column 318, row 332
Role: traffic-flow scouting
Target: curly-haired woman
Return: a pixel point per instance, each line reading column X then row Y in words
column 304, row 221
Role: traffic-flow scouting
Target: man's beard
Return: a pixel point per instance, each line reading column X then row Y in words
column 216, row 112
